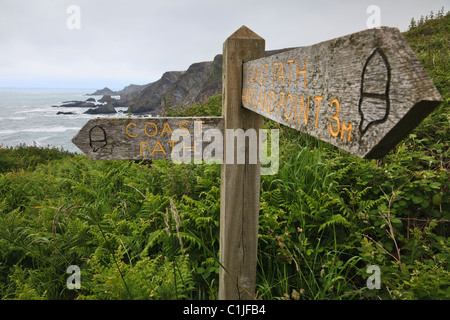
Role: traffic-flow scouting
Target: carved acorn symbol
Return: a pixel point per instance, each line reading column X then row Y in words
column 374, row 103
column 97, row 138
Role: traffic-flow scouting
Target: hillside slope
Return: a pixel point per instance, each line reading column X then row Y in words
column 431, row 43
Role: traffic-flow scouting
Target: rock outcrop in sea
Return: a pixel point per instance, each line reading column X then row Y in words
column 102, row 109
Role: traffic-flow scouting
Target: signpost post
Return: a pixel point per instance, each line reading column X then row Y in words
column 240, row 183
column 362, row 93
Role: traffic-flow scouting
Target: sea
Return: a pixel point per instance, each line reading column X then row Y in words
column 28, row 117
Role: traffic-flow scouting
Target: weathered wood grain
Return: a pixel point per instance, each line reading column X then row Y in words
column 363, row 92
column 143, row 138
column 240, row 183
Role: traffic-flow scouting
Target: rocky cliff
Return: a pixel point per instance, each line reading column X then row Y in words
column 200, row 81
column 131, row 91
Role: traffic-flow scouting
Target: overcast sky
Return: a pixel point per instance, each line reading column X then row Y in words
column 45, row 44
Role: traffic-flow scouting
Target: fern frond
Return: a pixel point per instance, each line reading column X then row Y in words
column 336, row 219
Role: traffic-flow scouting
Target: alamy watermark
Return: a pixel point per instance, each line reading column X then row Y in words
column 374, row 20
column 73, row 22
column 374, row 281
column 74, row 281
column 234, row 151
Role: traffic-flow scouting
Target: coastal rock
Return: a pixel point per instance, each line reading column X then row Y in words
column 210, row 83
column 102, row 92
column 103, row 109
column 131, row 91
column 174, row 88
column 119, row 103
column 77, row 104
column 105, row 98
column 66, row 113
column 153, row 96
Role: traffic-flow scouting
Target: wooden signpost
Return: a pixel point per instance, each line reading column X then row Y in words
column 362, row 93
column 144, row 138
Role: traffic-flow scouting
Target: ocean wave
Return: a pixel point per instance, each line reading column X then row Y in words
column 41, row 129
column 46, row 109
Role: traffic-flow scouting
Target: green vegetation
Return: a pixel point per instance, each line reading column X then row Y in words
column 151, row 231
